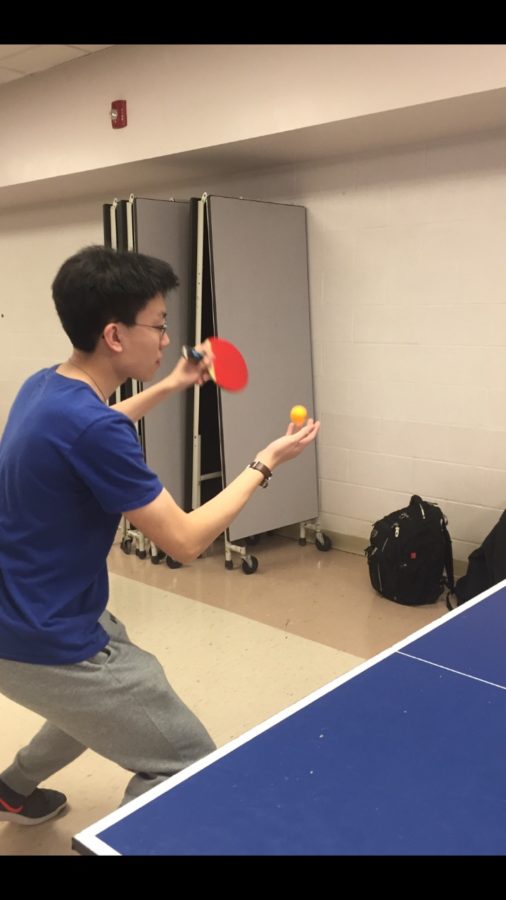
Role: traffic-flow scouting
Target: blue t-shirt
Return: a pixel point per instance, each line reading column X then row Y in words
column 69, row 466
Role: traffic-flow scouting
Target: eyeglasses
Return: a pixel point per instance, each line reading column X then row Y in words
column 162, row 329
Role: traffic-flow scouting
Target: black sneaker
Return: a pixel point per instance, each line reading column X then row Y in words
column 38, row 807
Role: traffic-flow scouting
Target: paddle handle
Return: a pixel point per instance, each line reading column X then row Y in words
column 191, row 353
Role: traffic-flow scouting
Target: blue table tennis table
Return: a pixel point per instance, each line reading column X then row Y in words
column 405, row 754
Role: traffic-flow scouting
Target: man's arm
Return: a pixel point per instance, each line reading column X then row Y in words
column 139, row 405
column 185, row 535
column 184, row 374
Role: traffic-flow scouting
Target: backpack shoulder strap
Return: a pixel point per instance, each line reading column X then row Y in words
column 449, row 604
column 448, row 558
column 450, row 579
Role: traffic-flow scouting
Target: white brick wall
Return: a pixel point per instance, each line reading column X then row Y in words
column 408, row 306
column 33, row 244
column 408, row 288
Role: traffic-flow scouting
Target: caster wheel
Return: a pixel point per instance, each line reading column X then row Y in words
column 250, row 568
column 126, row 545
column 322, row 542
column 302, row 542
column 173, row 563
column 155, row 560
column 141, row 554
column 229, row 564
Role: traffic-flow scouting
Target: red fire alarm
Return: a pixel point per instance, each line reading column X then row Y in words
column 118, row 113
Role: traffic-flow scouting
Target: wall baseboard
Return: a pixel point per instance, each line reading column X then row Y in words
column 350, row 543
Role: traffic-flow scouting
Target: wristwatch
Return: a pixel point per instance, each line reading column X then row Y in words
column 261, row 467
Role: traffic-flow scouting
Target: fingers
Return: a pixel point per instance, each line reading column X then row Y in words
column 301, row 436
column 297, row 429
column 301, row 430
column 190, row 370
column 206, row 350
column 201, row 356
column 307, row 433
column 313, row 430
column 291, row 444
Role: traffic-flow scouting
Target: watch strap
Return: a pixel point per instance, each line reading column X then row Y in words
column 261, row 467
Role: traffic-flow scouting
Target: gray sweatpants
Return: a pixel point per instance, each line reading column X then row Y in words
column 117, row 703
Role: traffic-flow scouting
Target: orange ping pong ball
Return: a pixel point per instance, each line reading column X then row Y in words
column 298, row 414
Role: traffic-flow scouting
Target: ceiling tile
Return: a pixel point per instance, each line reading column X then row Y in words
column 44, row 56
column 7, row 50
column 6, row 75
column 91, row 48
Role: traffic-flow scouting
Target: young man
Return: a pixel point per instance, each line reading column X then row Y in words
column 70, row 466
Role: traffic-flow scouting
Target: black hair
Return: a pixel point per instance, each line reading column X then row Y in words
column 99, row 285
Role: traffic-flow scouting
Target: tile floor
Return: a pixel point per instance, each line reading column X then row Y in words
column 237, row 648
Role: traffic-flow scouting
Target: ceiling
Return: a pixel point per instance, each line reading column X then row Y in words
column 22, row 60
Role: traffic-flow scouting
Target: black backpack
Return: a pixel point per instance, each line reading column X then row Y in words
column 486, row 566
column 409, row 552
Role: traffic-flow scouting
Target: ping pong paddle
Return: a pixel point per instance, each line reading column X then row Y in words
column 228, row 370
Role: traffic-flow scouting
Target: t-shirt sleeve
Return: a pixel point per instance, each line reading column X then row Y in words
column 107, row 457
